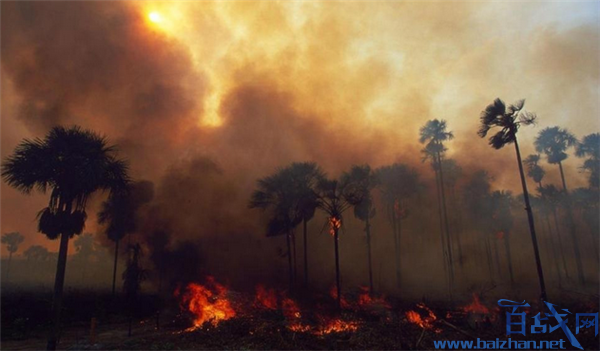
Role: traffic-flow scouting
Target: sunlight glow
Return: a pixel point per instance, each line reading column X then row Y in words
column 155, row 17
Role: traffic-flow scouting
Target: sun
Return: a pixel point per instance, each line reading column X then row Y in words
column 155, row 17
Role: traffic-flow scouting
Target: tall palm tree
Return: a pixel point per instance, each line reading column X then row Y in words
column 554, row 142
column 434, row 134
column 397, row 183
column 277, row 194
column 553, row 198
column 304, row 177
column 502, row 222
column 590, row 148
column 118, row 212
column 12, row 241
column 361, row 181
column 333, row 200
column 71, row 163
column 509, row 119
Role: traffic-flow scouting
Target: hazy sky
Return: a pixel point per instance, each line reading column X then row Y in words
column 253, row 86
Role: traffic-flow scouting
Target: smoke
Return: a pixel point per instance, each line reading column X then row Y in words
column 216, row 95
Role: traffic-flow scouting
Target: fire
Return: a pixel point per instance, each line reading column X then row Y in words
column 266, row 298
column 335, row 224
column 365, row 299
column 476, row 306
column 338, row 326
column 425, row 322
column 333, row 293
column 292, row 314
column 207, row 303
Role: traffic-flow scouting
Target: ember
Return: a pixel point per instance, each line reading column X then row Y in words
column 207, row 303
column 335, row 224
column 337, row 326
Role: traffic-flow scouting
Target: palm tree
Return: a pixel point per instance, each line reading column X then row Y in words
column 554, row 142
column 397, row 182
column 587, row 200
column 118, row 215
column 502, row 222
column 509, row 120
column 304, row 177
column 590, row 148
column 12, row 241
column 36, row 254
column 553, row 198
column 72, row 164
column 361, row 181
column 433, row 134
column 277, row 194
column 333, row 200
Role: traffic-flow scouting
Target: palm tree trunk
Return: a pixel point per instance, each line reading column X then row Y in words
column 560, row 244
column 114, row 280
column 305, row 253
column 448, row 234
column 58, row 289
column 289, row 253
column 337, row 268
column 545, row 208
column 538, row 261
column 572, row 229
column 457, row 225
column 368, row 230
column 509, row 258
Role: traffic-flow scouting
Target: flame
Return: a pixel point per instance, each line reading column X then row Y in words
column 292, row 314
column 365, row 299
column 206, row 304
column 338, row 326
column 476, row 306
column 335, row 224
column 423, row 322
column 333, row 293
column 266, row 298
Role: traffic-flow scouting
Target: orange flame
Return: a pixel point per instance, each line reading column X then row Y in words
column 333, row 293
column 425, row 322
column 335, row 224
column 292, row 314
column 265, row 298
column 476, row 306
column 365, row 299
column 206, row 304
column 338, row 326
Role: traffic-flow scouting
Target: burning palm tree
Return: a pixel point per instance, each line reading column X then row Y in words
column 72, row 164
column 434, row 134
column 397, row 182
column 509, row 119
column 333, row 200
column 590, row 148
column 554, row 142
column 361, row 182
column 12, row 241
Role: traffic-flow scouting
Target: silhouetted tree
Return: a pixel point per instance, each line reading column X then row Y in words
column 590, row 148
column 508, row 120
column 361, row 181
column 304, row 177
column 12, row 241
column 35, row 255
column 587, row 201
column 433, row 134
column 333, row 200
column 553, row 198
column 554, row 142
column 72, row 163
column 84, row 247
column 277, row 194
column 118, row 215
column 397, row 182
